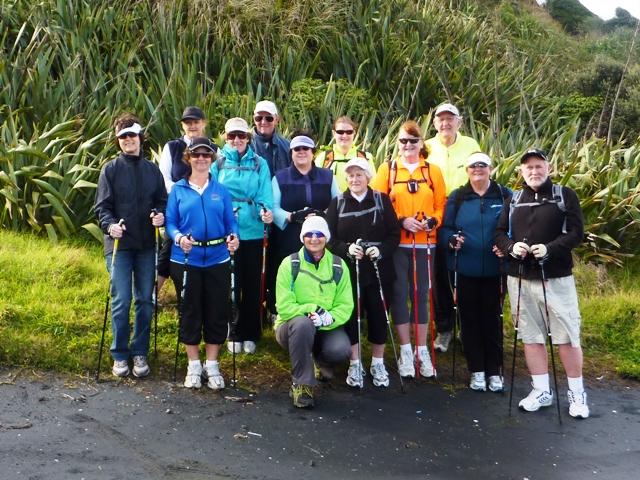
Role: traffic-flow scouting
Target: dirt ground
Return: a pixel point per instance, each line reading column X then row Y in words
column 63, row 427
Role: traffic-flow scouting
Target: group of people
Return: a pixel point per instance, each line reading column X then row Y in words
column 428, row 234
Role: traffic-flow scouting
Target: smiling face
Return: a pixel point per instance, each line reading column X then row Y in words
column 130, row 143
column 200, row 160
column 357, row 180
column 409, row 146
column 535, row 171
column 447, row 125
column 344, row 133
column 302, row 157
column 479, row 174
column 315, row 244
column 238, row 141
column 263, row 125
column 194, row 128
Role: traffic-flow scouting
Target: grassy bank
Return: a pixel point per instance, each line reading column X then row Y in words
column 52, row 300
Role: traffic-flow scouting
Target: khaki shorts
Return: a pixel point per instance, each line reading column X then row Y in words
column 564, row 315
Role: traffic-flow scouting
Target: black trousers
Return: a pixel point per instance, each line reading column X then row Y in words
column 164, row 257
column 248, row 273
column 273, row 264
column 480, row 327
column 442, row 292
column 372, row 309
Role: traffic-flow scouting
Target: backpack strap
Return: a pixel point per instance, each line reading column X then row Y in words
column 295, row 270
column 328, row 158
column 378, row 207
column 558, row 199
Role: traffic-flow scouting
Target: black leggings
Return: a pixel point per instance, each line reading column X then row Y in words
column 371, row 308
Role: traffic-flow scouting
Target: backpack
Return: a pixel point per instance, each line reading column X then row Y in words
column 256, row 165
column 393, row 171
column 329, row 157
column 295, row 270
column 558, row 199
column 379, row 207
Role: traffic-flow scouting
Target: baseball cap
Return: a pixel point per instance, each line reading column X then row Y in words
column 360, row 163
column 266, row 106
column 192, row 113
column 448, row 108
column 534, row 152
column 236, row 124
column 301, row 141
column 315, row 224
column 478, row 157
column 135, row 128
column 202, row 142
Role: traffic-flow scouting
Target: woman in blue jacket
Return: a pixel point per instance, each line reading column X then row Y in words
column 470, row 220
column 247, row 177
column 201, row 222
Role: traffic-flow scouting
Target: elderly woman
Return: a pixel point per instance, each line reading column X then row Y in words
column 343, row 150
column 300, row 191
column 314, row 302
column 468, row 230
column 417, row 191
column 201, row 222
column 130, row 188
column 247, row 177
column 364, row 229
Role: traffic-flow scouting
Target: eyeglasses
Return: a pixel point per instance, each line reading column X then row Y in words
column 127, row 135
column 233, row 135
column 344, row 132
column 478, row 165
column 413, row 141
column 205, row 155
column 304, row 149
column 259, row 118
column 312, row 233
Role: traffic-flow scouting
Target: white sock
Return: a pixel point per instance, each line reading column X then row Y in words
column 541, row 382
column 376, row 361
column 195, row 363
column 211, row 363
column 406, row 349
column 354, row 363
column 575, row 384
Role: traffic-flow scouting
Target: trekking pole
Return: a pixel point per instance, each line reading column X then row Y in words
column 358, row 242
column 116, row 243
column 155, row 298
column 431, row 308
column 515, row 333
column 501, row 326
column 415, row 299
column 232, row 309
column 264, row 263
column 455, row 307
column 386, row 312
column 181, row 311
column 553, row 360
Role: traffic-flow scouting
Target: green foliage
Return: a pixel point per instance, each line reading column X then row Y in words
column 570, row 13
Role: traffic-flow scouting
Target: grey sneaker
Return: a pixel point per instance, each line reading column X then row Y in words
column 496, row 383
column 478, row 382
column 234, row 346
column 406, row 365
column 536, row 399
column 578, row 407
column 380, row 375
column 192, row 379
column 442, row 341
column 213, row 377
column 426, row 367
column 353, row 379
column 120, row 368
column 249, row 347
column 140, row 366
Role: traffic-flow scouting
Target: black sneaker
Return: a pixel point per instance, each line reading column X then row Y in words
column 302, row 396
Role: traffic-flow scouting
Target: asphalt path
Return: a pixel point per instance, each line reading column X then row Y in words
column 65, row 427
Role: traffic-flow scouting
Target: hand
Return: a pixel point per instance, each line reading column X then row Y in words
column 456, row 241
column 325, row 316
column 356, row 250
column 266, row 216
column 315, row 318
column 520, row 250
column 540, row 252
column 373, row 253
column 319, row 213
column 498, row 252
column 429, row 223
column 232, row 243
column 157, row 219
column 116, row 230
column 186, row 243
column 412, row 225
column 299, row 216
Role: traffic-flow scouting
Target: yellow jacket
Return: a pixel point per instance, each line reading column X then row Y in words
column 452, row 160
column 339, row 162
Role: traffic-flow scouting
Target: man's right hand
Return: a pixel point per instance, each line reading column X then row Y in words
column 519, row 250
column 116, row 230
column 299, row 216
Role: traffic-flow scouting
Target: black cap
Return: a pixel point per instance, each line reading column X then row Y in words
column 203, row 142
column 534, row 152
column 192, row 113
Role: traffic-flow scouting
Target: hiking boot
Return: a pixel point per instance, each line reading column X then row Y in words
column 478, row 382
column 353, row 379
column 426, row 367
column 536, row 399
column 120, row 368
column 442, row 341
column 234, row 347
column 380, row 375
column 140, row 366
column 578, row 407
column 192, row 380
column 496, row 383
column 249, row 347
column 323, row 373
column 406, row 367
column 302, row 396
column 213, row 377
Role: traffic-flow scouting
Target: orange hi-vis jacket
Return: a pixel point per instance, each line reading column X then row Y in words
column 430, row 197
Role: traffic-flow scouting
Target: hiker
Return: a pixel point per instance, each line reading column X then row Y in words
column 449, row 150
column 246, row 175
column 265, row 141
column 314, row 302
column 417, row 191
column 364, row 228
column 343, row 150
column 467, row 233
column 538, row 228
column 130, row 192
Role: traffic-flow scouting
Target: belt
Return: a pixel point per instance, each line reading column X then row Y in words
column 209, row 243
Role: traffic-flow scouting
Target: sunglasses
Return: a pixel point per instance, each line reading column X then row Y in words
column 204, row 155
column 240, row 135
column 312, row 233
column 404, row 141
column 478, row 165
column 304, row 149
column 259, row 118
column 344, row 132
column 128, row 135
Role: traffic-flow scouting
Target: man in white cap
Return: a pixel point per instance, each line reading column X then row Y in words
column 449, row 150
column 314, row 296
column 266, row 142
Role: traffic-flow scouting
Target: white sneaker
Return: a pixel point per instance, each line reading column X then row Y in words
column 249, row 347
column 192, row 380
column 426, row 367
column 120, row 368
column 578, row 404
column 406, row 365
column 353, row 379
column 140, row 366
column 478, row 382
column 380, row 375
column 213, row 377
column 234, row 346
column 536, row 399
column 442, row 341
column 496, row 383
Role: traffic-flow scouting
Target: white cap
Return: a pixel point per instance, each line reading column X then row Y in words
column 360, row 163
column 236, row 124
column 315, row 224
column 448, row 108
column 135, row 128
column 478, row 157
column 266, row 106
column 301, row 141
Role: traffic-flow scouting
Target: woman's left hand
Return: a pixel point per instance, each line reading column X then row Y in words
column 232, row 242
column 267, row 216
column 498, row 252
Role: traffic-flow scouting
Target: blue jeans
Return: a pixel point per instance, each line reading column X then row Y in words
column 132, row 267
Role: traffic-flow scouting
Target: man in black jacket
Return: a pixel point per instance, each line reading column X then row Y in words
column 538, row 228
column 130, row 204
